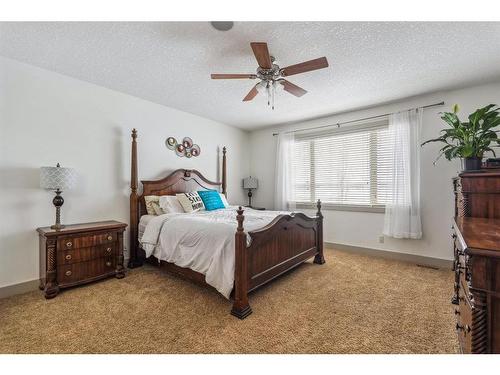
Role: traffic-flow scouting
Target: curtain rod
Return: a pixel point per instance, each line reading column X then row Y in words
column 351, row 121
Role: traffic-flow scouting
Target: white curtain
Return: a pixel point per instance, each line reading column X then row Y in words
column 402, row 212
column 284, row 183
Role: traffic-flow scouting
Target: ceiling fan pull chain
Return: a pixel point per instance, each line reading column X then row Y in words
column 268, row 94
column 274, row 95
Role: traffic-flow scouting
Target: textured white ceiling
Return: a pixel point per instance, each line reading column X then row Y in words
column 170, row 62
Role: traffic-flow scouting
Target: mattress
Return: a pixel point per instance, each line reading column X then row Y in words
column 143, row 222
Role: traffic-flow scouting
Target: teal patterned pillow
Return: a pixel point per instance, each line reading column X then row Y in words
column 211, row 199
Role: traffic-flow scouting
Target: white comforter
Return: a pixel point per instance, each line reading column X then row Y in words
column 202, row 241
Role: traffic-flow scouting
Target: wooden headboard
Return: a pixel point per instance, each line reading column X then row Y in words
column 179, row 181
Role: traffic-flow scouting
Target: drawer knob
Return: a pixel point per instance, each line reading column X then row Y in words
column 68, row 257
column 69, row 244
column 108, row 250
column 108, row 264
column 110, row 238
column 68, row 273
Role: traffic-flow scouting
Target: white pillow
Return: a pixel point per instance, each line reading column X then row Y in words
column 224, row 200
column 190, row 202
column 170, row 204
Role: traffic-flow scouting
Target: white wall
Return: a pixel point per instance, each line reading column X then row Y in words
column 363, row 229
column 47, row 118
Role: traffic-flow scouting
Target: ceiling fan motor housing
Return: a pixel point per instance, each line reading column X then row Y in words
column 269, row 75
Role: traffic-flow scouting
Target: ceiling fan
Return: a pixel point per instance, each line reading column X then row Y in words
column 271, row 75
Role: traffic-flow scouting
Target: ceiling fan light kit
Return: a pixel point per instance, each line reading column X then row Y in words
column 271, row 76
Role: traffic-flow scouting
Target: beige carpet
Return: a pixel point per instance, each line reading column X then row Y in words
column 352, row 304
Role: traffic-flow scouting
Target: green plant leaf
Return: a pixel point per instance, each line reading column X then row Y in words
column 451, row 118
column 468, row 151
column 472, row 138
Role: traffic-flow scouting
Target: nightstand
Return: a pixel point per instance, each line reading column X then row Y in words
column 256, row 208
column 80, row 253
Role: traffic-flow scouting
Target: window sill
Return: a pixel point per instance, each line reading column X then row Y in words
column 342, row 207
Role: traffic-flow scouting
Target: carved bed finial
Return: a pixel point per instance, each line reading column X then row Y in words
column 224, row 175
column 240, row 219
column 318, row 205
column 133, row 173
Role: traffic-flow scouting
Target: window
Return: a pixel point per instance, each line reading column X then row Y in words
column 345, row 168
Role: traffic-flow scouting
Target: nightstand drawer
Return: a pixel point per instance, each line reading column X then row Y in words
column 86, row 253
column 73, row 273
column 81, row 241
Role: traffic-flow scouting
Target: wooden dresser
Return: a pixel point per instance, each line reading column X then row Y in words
column 80, row 253
column 476, row 244
column 477, row 194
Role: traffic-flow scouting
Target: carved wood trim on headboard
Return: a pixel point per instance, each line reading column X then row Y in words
column 179, row 181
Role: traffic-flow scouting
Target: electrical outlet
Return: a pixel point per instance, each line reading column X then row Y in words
column 381, row 239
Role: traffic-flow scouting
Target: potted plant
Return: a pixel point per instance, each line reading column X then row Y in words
column 469, row 140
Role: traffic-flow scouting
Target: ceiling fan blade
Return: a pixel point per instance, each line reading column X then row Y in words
column 252, row 94
column 232, row 76
column 306, row 66
column 292, row 89
column 262, row 54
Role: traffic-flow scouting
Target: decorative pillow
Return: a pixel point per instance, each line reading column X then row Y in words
column 211, row 199
column 170, row 204
column 153, row 205
column 224, row 200
column 190, row 202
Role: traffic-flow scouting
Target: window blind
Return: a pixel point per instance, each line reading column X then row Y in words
column 343, row 167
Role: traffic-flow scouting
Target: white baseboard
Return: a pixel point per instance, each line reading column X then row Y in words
column 24, row 287
column 411, row 258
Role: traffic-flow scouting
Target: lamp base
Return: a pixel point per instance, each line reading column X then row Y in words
column 58, row 202
column 249, row 197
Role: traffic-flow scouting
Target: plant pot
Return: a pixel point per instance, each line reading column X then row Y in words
column 472, row 164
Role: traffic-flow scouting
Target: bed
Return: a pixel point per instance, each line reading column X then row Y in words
column 260, row 254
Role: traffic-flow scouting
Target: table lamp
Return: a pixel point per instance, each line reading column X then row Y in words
column 57, row 179
column 250, row 183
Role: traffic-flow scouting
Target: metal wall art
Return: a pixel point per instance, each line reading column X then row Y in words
column 186, row 148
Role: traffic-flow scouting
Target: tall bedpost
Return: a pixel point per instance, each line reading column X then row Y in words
column 224, row 176
column 241, row 307
column 319, row 258
column 134, row 261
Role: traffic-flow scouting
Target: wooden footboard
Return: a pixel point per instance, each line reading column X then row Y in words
column 283, row 244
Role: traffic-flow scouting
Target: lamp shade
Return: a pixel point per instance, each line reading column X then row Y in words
column 54, row 178
column 250, row 183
